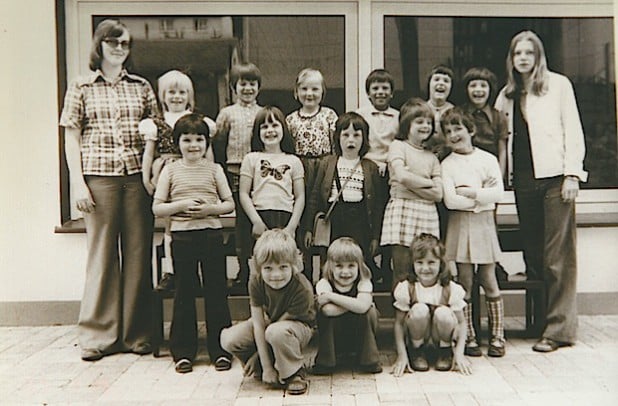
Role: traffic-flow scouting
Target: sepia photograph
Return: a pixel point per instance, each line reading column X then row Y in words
column 347, row 202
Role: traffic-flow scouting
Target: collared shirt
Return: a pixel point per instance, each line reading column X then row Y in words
column 108, row 115
column 239, row 117
column 383, row 127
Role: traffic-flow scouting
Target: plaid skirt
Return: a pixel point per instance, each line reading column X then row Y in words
column 471, row 238
column 406, row 218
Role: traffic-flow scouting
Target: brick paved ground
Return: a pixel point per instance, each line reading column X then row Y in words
column 41, row 365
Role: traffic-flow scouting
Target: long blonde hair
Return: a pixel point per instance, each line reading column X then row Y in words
column 345, row 249
column 539, row 75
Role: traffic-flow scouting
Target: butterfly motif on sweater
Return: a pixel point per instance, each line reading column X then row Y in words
column 276, row 172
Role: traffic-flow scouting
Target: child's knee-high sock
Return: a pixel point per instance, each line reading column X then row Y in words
column 469, row 323
column 495, row 315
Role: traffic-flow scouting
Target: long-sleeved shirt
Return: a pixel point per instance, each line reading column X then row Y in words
column 555, row 129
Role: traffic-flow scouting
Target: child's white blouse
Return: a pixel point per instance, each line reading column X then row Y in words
column 430, row 295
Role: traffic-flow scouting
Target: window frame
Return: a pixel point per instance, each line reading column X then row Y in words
column 595, row 207
column 364, row 51
column 74, row 39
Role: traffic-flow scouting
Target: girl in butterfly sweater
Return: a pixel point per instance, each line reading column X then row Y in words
column 271, row 189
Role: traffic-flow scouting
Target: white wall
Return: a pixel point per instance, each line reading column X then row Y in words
column 35, row 263
column 38, row 265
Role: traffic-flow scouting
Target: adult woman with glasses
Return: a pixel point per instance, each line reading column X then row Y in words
column 104, row 150
column 545, row 165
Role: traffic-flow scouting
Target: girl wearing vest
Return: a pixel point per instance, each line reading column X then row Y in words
column 347, row 316
column 429, row 308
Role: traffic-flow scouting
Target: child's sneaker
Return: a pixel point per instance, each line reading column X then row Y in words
column 444, row 361
column 496, row 347
column 419, row 359
column 472, row 348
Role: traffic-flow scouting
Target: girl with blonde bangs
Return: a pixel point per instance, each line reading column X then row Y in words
column 347, row 316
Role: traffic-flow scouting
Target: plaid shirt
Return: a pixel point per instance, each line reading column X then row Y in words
column 108, row 115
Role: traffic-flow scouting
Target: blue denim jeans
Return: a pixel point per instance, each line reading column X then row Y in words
column 115, row 309
column 548, row 233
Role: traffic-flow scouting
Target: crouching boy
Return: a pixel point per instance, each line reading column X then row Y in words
column 270, row 344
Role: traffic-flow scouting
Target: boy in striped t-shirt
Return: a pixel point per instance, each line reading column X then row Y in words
column 194, row 192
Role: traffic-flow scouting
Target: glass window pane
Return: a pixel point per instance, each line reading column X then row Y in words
column 205, row 47
column 580, row 48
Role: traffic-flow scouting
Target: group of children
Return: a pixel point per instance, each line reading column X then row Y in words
column 379, row 173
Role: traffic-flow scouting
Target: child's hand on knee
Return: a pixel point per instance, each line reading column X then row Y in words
column 400, row 367
column 462, row 364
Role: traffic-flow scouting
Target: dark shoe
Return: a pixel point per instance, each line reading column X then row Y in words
column 445, row 359
column 166, row 283
column 92, row 354
column 223, row 364
column 184, row 366
column 370, row 368
column 419, row 359
column 297, row 384
column 142, row 349
column 472, row 348
column 548, row 345
column 496, row 347
column 319, row 369
column 501, row 274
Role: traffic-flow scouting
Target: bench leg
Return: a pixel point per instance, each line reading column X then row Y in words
column 157, row 323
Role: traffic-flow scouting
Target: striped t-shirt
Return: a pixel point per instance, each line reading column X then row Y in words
column 205, row 181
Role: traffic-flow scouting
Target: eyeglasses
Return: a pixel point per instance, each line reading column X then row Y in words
column 114, row 42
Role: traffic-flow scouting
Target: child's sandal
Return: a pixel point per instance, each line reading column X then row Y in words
column 472, row 348
column 496, row 347
column 223, row 363
column 297, row 385
column 184, row 366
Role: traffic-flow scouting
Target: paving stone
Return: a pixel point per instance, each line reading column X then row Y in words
column 42, row 365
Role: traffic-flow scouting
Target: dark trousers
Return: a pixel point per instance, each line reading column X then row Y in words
column 350, row 220
column 190, row 249
column 548, row 232
column 349, row 332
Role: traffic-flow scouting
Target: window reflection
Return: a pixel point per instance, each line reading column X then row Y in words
column 581, row 48
column 205, row 47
